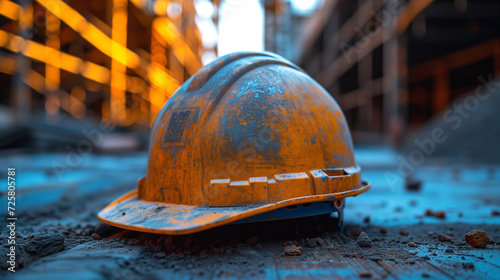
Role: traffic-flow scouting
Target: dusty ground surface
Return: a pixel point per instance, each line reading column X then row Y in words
column 59, row 236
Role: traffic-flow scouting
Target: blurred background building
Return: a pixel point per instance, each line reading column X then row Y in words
column 392, row 65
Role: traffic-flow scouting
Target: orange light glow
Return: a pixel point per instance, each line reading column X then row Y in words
column 68, row 62
column 91, row 33
column 53, row 43
column 160, row 7
column 9, row 9
column 172, row 36
column 118, row 68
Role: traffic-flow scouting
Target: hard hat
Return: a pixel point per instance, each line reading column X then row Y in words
column 249, row 137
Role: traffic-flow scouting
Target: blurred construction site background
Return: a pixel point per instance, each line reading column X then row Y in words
column 102, row 69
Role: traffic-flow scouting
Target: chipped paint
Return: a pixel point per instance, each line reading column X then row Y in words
column 242, row 117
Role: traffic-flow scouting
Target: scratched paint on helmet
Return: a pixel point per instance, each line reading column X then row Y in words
column 248, row 129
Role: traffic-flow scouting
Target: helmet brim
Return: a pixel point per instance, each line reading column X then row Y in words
column 132, row 213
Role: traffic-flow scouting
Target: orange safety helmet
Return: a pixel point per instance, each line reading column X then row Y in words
column 247, row 136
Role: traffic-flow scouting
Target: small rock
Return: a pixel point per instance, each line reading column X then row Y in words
column 437, row 214
column 477, row 238
column 311, row 242
column 445, row 238
column 288, row 243
column 468, row 265
column 160, row 255
column 430, row 233
column 365, row 274
column 364, row 240
column 495, row 213
column 404, row 232
column 440, row 214
column 45, row 244
column 412, row 244
column 426, row 275
column 95, row 236
column 448, row 250
column 429, row 213
column 320, row 241
column 383, row 230
column 292, row 250
column 253, row 240
column 366, row 219
column 413, row 184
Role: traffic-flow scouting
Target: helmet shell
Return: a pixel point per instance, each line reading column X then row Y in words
column 249, row 128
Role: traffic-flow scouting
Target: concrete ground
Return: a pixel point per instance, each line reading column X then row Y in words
column 59, row 236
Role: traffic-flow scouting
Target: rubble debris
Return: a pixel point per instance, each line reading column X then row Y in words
column 320, row 241
column 468, row 265
column 404, row 232
column 445, row 238
column 413, row 184
column 366, row 219
column 254, row 240
column 412, row 244
column 383, row 230
column 311, row 242
column 364, row 240
column 365, row 274
column 495, row 213
column 45, row 244
column 477, row 238
column 95, row 236
column 436, row 214
column 426, row 275
column 292, row 250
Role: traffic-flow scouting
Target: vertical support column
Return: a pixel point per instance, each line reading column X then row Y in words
column 332, row 35
column 52, row 72
column 175, row 66
column 118, row 70
column 21, row 96
column 403, row 98
column 270, row 25
column 392, row 121
column 365, row 77
column 158, row 62
column 496, row 55
column 441, row 88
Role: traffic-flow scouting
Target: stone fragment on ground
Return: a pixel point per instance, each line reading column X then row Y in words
column 364, row 240
column 45, row 244
column 292, row 250
column 477, row 238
